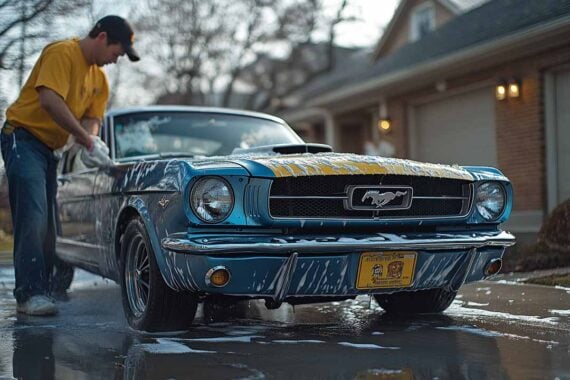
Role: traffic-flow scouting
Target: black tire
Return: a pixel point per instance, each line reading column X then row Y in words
column 416, row 302
column 150, row 304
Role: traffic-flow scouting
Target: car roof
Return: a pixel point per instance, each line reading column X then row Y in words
column 172, row 108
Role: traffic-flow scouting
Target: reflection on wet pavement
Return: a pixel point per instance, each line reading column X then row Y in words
column 482, row 335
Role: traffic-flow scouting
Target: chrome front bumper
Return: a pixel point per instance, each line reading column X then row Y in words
column 263, row 244
column 282, row 268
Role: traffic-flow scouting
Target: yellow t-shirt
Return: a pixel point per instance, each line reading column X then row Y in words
column 62, row 68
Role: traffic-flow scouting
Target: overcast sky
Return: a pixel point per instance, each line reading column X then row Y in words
column 373, row 17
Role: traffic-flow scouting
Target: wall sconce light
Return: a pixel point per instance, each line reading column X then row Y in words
column 511, row 89
column 514, row 89
column 501, row 91
column 385, row 125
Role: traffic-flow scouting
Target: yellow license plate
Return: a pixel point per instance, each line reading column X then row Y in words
column 388, row 269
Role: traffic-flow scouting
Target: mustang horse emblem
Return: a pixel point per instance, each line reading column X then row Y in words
column 381, row 199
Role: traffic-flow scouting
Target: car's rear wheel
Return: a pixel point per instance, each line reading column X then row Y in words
column 149, row 303
column 416, row 302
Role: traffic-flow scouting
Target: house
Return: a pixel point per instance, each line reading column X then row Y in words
column 484, row 85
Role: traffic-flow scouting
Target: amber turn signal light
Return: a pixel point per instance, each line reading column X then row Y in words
column 493, row 267
column 218, row 276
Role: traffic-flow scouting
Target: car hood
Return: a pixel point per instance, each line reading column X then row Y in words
column 307, row 164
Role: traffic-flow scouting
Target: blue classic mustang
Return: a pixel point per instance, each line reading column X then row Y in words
column 206, row 202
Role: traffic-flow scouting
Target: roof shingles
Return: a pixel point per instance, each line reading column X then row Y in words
column 493, row 20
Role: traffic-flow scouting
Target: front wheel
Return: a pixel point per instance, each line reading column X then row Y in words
column 416, row 302
column 149, row 303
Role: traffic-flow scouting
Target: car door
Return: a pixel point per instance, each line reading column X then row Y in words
column 107, row 199
column 77, row 242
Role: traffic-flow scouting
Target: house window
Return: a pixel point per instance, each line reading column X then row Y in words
column 423, row 21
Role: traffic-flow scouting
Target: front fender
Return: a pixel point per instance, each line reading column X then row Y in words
column 139, row 206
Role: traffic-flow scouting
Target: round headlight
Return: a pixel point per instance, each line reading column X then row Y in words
column 212, row 199
column 490, row 200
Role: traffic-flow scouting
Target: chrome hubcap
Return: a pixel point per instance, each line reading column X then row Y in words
column 137, row 276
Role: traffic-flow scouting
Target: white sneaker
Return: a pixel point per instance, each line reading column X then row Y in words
column 37, row 305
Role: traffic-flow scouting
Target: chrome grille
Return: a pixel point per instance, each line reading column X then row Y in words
column 326, row 197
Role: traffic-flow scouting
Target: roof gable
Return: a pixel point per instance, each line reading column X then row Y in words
column 491, row 26
column 398, row 30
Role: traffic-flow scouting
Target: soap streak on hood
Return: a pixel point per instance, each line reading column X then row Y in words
column 307, row 164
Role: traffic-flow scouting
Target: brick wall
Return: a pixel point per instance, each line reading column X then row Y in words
column 521, row 128
column 520, row 142
column 519, row 122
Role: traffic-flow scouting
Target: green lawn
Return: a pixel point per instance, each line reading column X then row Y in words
column 6, row 246
column 555, row 280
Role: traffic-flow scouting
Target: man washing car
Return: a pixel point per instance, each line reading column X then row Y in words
column 65, row 94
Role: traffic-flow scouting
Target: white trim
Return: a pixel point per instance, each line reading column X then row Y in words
column 330, row 129
column 414, row 23
column 387, row 33
column 550, row 140
column 307, row 114
column 451, row 7
column 412, row 131
column 418, row 101
column 396, row 16
column 551, row 136
column 523, row 43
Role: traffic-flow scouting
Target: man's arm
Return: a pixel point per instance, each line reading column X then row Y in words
column 91, row 125
column 60, row 113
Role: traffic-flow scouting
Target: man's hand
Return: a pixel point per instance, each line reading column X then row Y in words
column 98, row 156
column 60, row 113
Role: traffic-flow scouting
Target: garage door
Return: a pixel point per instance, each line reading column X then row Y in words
column 459, row 129
column 562, row 135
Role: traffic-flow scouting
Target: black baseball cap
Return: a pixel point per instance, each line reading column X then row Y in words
column 118, row 29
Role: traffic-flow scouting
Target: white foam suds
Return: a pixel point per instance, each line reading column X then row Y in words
column 515, row 336
column 471, row 330
column 456, row 309
column 469, row 303
column 510, row 282
column 388, row 373
column 226, row 339
column 290, row 341
column 562, row 288
column 559, row 312
column 167, row 346
column 368, row 346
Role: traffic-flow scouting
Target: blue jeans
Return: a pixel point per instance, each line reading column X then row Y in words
column 31, row 169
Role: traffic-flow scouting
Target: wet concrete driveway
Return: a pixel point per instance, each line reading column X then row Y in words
column 499, row 329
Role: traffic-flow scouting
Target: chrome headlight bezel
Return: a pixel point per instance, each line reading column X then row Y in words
column 486, row 193
column 202, row 194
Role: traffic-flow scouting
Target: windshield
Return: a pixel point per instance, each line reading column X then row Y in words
column 195, row 133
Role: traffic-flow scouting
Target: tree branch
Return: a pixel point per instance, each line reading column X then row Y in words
column 38, row 9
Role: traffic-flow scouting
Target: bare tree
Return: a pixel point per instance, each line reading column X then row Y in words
column 25, row 27
column 275, row 78
column 180, row 38
column 25, row 24
column 209, row 48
